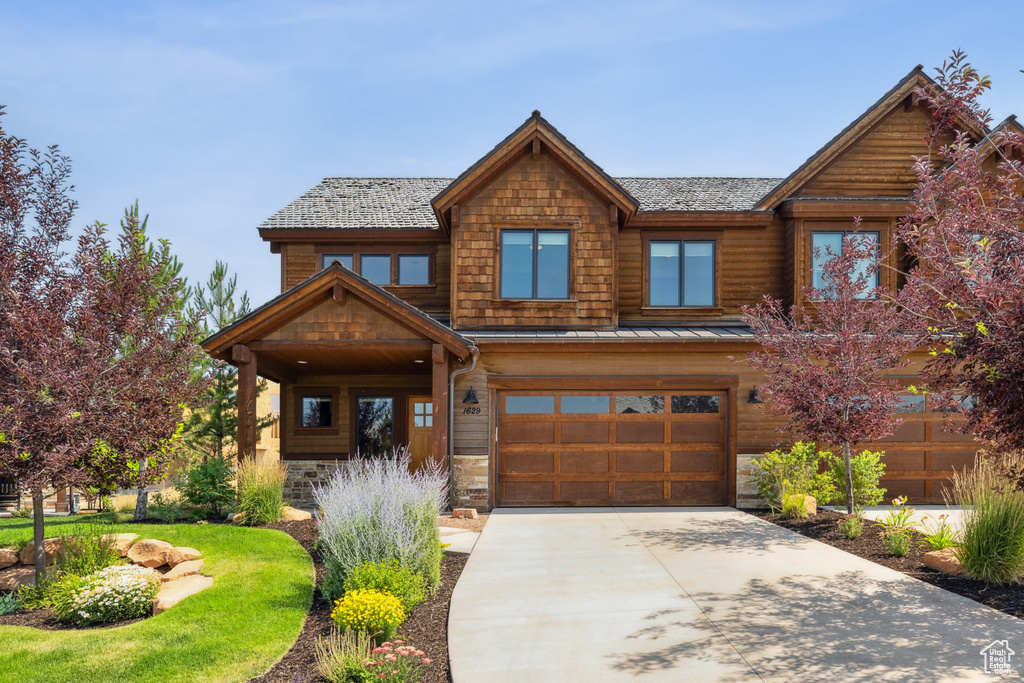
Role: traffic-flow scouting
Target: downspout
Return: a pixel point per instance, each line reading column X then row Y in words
column 474, row 353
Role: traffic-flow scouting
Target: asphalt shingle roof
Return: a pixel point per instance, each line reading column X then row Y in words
column 346, row 203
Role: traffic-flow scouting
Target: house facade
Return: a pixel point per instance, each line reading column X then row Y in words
column 557, row 336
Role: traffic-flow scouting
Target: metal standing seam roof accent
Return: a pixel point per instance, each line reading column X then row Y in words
column 733, row 332
column 404, row 203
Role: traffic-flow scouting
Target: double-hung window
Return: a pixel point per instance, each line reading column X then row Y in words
column 534, row 264
column 827, row 244
column 681, row 273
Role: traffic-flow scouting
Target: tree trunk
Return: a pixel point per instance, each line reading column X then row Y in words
column 142, row 497
column 37, row 534
column 849, row 477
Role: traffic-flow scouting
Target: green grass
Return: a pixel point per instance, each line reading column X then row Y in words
column 237, row 629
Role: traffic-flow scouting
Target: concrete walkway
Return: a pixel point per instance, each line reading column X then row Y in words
column 700, row 594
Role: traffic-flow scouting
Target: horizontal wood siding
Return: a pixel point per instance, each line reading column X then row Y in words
column 472, row 422
column 527, row 194
column 299, row 261
column 880, row 163
column 751, row 263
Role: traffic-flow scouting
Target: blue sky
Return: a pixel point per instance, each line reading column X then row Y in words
column 216, row 114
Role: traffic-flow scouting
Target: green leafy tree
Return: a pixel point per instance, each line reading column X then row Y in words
column 211, row 431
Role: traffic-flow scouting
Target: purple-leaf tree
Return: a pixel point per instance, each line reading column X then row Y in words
column 826, row 369
column 96, row 355
column 964, row 237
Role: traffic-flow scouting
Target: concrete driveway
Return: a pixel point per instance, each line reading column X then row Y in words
column 700, row 594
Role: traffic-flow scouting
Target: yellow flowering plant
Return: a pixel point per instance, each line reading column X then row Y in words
column 377, row 613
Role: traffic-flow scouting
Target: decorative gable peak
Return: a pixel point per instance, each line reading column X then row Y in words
column 533, row 137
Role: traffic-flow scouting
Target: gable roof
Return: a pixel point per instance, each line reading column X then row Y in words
column 325, row 284
column 535, row 133
column 846, row 137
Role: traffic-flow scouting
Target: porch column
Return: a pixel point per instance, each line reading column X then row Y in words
column 440, row 364
column 245, row 360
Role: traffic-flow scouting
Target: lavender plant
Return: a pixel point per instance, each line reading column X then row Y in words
column 376, row 509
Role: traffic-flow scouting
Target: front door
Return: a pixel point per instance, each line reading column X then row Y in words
column 421, row 429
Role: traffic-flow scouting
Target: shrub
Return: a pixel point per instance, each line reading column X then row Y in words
column 390, row 577
column 169, row 508
column 208, row 485
column 86, row 550
column 794, row 506
column 898, row 517
column 24, row 513
column 8, row 603
column 112, row 594
column 39, row 595
column 851, row 526
column 260, row 490
column 376, row 510
column 799, row 466
column 897, row 540
column 937, row 538
column 340, row 657
column 992, row 547
column 374, row 612
column 867, row 469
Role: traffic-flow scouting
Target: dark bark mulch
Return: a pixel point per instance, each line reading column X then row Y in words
column 46, row 620
column 426, row 628
column 824, row 527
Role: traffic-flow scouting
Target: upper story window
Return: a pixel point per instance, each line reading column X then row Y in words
column 681, row 273
column 385, row 269
column 826, row 244
column 534, row 264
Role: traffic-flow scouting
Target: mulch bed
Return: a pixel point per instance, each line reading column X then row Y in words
column 824, row 527
column 46, row 620
column 426, row 628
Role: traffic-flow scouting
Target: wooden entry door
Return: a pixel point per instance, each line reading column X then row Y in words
column 421, row 429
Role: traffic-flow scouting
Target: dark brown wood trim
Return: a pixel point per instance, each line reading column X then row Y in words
column 702, row 220
column 247, row 388
column 567, row 383
column 343, row 345
column 796, row 208
column 343, row 236
column 731, row 476
column 439, row 391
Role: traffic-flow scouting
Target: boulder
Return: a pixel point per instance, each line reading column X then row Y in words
column 945, row 561
column 464, row 513
column 52, row 548
column 188, row 553
column 8, row 558
column 290, row 514
column 187, row 568
column 122, row 542
column 150, row 553
column 14, row 578
column 173, row 592
column 238, row 518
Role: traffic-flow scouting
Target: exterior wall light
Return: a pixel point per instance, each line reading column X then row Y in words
column 754, row 398
column 470, row 397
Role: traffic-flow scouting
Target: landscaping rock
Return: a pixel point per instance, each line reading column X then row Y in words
column 8, row 558
column 173, row 592
column 123, row 542
column 52, row 548
column 464, row 513
column 187, row 568
column 809, row 504
column 945, row 561
column 150, row 553
column 238, row 518
column 16, row 577
column 188, row 553
column 290, row 514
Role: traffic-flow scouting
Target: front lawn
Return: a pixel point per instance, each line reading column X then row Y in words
column 237, row 629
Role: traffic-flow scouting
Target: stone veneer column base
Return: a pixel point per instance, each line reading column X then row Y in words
column 746, row 491
column 471, row 480
column 302, row 476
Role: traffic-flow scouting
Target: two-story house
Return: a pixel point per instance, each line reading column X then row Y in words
column 558, row 336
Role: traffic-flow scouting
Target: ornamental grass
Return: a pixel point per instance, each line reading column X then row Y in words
column 260, row 489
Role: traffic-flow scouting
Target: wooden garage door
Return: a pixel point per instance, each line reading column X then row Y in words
column 922, row 454
column 611, row 448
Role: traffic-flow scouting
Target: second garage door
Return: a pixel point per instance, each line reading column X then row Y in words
column 611, row 448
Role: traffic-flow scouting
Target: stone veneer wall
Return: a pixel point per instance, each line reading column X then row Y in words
column 746, row 491
column 302, row 475
column 471, row 479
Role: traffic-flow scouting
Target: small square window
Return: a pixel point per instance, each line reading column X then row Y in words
column 824, row 245
column 413, row 269
column 681, row 273
column 376, row 268
column 534, row 264
column 343, row 259
column 316, row 411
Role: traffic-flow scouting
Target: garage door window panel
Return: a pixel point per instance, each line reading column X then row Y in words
column 630, row 405
column 691, row 403
column 529, row 405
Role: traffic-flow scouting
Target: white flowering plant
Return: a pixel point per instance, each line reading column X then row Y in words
column 112, row 594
